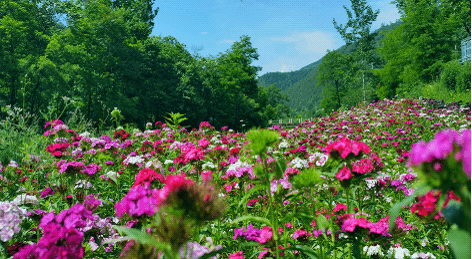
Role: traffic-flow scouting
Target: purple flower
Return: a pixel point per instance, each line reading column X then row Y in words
column 91, row 169
column 46, row 192
column 140, row 200
column 71, row 167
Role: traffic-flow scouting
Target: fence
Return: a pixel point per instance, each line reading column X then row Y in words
column 289, row 123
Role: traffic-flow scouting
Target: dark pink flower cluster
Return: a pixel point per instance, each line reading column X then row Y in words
column 345, row 146
column 350, row 223
column 446, row 143
column 91, row 169
column 254, row 234
column 71, row 167
column 426, row 204
column 173, row 183
column 56, row 242
column 147, row 175
column 46, row 192
column 62, row 236
column 57, row 148
column 140, row 200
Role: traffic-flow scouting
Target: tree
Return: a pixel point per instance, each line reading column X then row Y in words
column 273, row 102
column 333, row 73
column 236, row 89
column 24, row 30
column 427, row 37
column 357, row 30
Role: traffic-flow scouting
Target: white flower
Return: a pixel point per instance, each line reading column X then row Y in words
column 208, row 165
column 373, row 250
column 370, row 183
column 82, row 184
column 398, row 252
column 113, row 174
column 283, row 144
column 299, row 163
column 85, row 134
column 25, row 199
column 168, row 161
column 424, row 241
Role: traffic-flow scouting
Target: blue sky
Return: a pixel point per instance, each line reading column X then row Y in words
column 288, row 34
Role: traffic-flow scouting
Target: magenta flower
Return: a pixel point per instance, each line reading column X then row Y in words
column 344, row 174
column 71, row 167
column 46, row 192
column 139, row 201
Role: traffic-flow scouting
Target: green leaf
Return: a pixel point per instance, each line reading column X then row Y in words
column 459, row 240
column 253, row 218
column 304, row 249
column 298, row 215
column 249, row 192
column 142, row 237
column 454, row 214
column 321, row 222
column 281, row 165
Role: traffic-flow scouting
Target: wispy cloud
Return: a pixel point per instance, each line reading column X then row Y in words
column 204, row 32
column 309, row 42
column 227, row 41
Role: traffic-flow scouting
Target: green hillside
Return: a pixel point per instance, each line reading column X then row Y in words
column 300, row 85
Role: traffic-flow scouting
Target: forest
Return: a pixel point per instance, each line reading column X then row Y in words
column 59, row 56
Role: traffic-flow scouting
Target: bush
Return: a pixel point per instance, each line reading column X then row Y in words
column 450, row 73
column 463, row 78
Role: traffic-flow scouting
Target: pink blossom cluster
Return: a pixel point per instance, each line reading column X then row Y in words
column 140, row 200
column 351, row 223
column 427, row 203
column 254, row 234
column 62, row 235
column 446, row 143
column 345, row 146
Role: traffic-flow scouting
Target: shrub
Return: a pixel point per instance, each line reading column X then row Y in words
column 450, row 73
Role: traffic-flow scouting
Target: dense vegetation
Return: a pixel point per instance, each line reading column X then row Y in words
column 416, row 56
column 100, row 55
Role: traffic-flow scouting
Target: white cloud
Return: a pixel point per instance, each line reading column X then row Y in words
column 310, row 42
column 227, row 41
column 388, row 13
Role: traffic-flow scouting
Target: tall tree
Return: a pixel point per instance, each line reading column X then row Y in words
column 333, row 73
column 24, row 30
column 357, row 30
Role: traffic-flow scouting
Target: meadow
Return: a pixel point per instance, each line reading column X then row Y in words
column 390, row 179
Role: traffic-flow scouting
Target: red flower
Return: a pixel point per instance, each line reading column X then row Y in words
column 234, row 151
column 147, row 175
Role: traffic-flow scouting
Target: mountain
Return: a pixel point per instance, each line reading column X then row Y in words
column 300, row 85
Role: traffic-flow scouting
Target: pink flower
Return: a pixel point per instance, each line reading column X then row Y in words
column 194, row 154
column 266, row 234
column 147, row 175
column 340, row 206
column 346, row 146
column 237, row 255
column 203, row 143
column 46, row 192
column 344, row 174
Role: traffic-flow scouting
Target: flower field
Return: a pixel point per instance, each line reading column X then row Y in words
column 385, row 180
